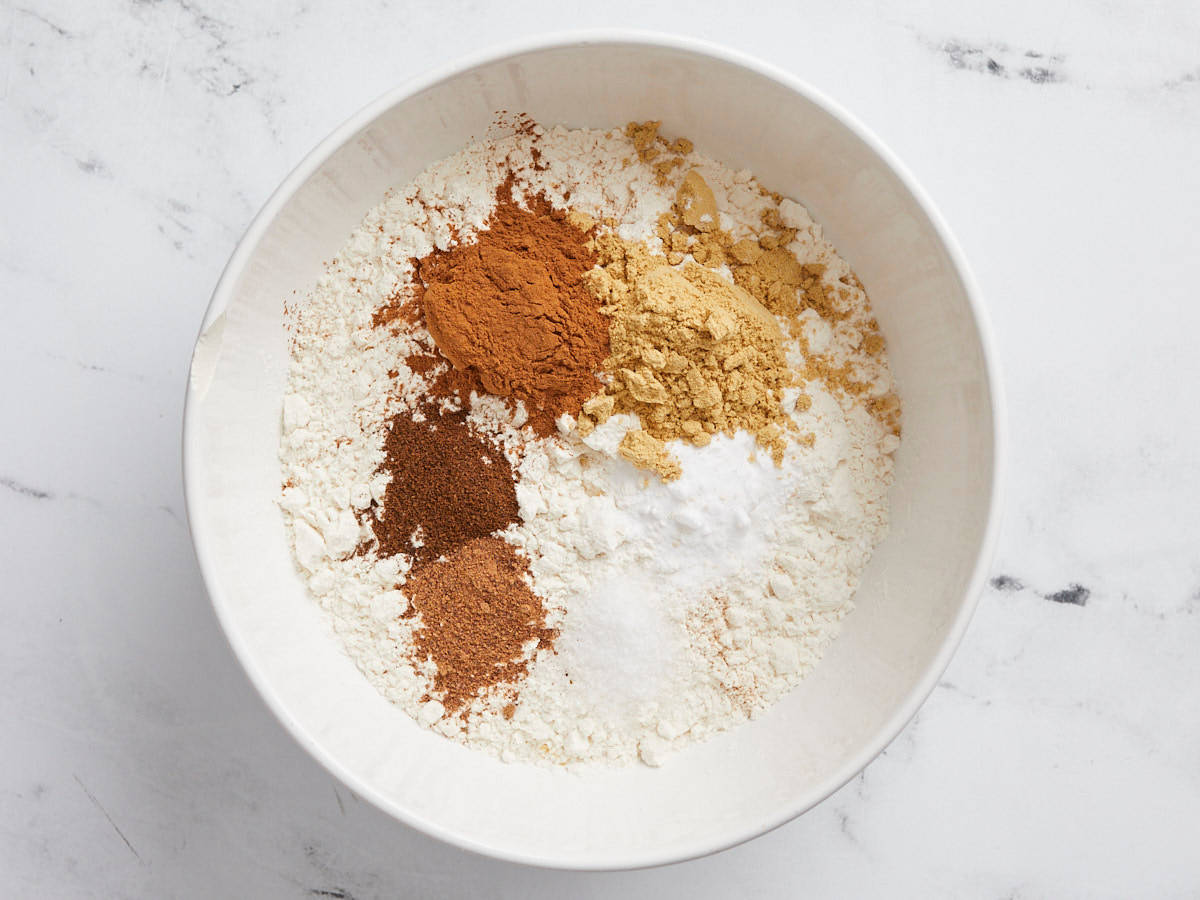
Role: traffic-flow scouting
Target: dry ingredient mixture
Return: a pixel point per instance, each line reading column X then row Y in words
column 586, row 443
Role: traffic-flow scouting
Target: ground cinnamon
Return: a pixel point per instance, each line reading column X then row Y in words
column 478, row 616
column 511, row 312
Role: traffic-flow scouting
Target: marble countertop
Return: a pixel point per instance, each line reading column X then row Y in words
column 1059, row 756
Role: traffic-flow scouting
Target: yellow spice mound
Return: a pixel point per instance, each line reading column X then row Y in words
column 691, row 355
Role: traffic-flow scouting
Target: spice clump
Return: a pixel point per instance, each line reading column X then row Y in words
column 448, row 485
column 451, row 492
column 691, row 355
column 766, row 268
column 510, row 310
column 481, row 623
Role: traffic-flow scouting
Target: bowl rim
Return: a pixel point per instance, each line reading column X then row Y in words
column 789, row 809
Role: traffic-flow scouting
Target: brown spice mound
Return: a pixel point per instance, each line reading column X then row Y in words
column 511, row 309
column 477, row 616
column 449, row 485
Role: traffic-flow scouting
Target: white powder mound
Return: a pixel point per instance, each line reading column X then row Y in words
column 683, row 607
column 692, row 604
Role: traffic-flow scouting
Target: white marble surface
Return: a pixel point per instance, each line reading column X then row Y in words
column 1059, row 757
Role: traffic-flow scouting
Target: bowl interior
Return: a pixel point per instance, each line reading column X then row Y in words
column 916, row 593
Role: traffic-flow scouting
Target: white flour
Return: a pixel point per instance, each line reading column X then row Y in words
column 682, row 607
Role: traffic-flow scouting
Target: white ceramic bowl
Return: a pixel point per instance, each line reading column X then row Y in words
column 918, row 593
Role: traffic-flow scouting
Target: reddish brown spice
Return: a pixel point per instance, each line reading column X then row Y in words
column 511, row 313
column 477, row 615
